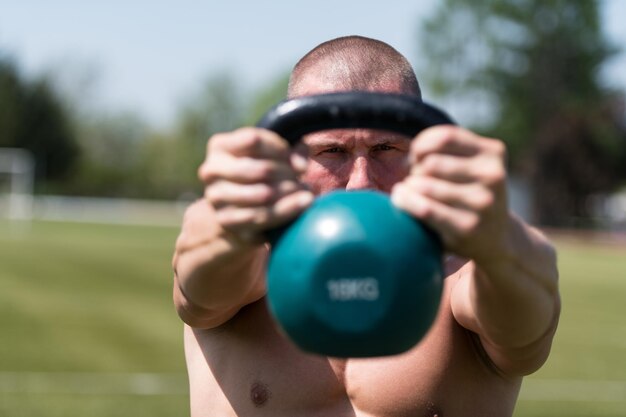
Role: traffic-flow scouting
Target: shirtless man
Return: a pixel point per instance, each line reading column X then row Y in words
column 500, row 304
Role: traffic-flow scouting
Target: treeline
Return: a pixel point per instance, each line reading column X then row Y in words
column 98, row 153
column 531, row 70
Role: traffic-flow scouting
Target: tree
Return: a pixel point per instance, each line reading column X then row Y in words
column 33, row 117
column 266, row 97
column 535, row 66
column 219, row 105
column 111, row 149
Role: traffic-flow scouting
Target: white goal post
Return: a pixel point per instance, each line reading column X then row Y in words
column 17, row 174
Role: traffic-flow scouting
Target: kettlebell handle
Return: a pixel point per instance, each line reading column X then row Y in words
column 399, row 113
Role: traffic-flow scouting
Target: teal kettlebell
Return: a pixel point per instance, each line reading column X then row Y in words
column 354, row 276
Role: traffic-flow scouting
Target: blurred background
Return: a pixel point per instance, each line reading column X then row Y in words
column 105, row 109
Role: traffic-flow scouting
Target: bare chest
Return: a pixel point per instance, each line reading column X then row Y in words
column 249, row 368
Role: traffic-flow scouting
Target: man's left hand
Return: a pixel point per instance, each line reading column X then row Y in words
column 457, row 186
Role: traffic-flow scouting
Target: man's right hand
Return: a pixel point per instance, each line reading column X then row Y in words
column 251, row 179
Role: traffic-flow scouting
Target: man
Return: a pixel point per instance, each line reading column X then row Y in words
column 500, row 303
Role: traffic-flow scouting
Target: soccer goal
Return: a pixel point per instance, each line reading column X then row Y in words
column 17, row 173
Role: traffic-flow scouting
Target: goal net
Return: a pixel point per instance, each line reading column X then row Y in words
column 17, row 172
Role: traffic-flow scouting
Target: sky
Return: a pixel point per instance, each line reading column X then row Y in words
column 146, row 56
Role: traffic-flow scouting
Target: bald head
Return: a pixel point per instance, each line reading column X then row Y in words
column 353, row 63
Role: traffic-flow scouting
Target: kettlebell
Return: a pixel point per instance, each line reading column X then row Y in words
column 354, row 276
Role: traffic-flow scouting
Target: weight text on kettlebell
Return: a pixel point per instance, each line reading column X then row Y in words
column 349, row 289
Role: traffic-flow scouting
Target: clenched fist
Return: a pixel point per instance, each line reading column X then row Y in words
column 251, row 179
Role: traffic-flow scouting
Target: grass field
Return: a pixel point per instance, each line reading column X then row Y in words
column 88, row 328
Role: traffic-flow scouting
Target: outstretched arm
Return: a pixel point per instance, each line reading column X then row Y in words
column 508, row 293
column 512, row 303
column 215, row 275
column 251, row 184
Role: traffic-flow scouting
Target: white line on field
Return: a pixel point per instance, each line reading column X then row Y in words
column 94, row 383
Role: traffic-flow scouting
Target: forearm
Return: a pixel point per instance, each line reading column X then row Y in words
column 514, row 299
column 214, row 275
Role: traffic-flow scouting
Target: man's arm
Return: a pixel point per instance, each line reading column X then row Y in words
column 508, row 294
column 251, row 184
column 214, row 275
column 512, row 303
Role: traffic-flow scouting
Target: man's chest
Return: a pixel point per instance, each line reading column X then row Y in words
column 250, row 366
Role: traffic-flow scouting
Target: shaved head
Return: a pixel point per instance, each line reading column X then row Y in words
column 353, row 63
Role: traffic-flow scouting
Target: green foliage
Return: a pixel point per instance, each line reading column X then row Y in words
column 81, row 150
column 217, row 106
column 536, row 63
column 123, row 157
column 111, row 147
column 267, row 97
column 33, row 117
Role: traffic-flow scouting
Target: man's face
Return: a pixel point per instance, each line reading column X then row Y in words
column 355, row 159
column 352, row 159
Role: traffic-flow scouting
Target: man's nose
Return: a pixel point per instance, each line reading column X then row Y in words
column 361, row 175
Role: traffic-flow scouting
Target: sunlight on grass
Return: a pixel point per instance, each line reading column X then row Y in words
column 89, row 300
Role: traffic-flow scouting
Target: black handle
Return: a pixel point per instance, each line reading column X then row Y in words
column 399, row 113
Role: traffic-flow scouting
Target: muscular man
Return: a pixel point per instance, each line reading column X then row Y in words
column 500, row 303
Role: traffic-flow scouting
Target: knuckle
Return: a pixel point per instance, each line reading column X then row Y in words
column 490, row 171
column 224, row 217
column 214, row 195
column 266, row 194
column 217, row 141
column 434, row 138
column 431, row 163
column 259, row 169
column 411, row 182
column 233, row 218
column 483, row 200
column 286, row 187
column 469, row 225
column 425, row 209
column 447, row 133
column 260, row 217
column 248, row 138
column 499, row 148
column 244, row 140
column 496, row 175
column 206, row 172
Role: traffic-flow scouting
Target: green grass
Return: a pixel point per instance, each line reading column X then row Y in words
column 77, row 298
column 87, row 300
column 590, row 346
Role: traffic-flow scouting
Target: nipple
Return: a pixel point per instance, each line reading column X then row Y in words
column 259, row 394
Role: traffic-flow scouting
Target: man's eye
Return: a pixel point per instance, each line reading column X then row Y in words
column 383, row 148
column 332, row 150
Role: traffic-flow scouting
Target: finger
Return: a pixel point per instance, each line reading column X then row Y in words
column 245, row 170
column 445, row 167
column 225, row 193
column 258, row 219
column 446, row 139
column 252, row 142
column 452, row 224
column 299, row 162
column 472, row 196
column 483, row 169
